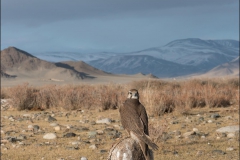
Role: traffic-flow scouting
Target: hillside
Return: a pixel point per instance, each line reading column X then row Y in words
column 226, row 69
column 24, row 65
column 133, row 64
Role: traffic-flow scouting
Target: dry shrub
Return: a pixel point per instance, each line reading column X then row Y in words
column 25, row 97
column 5, row 93
column 111, row 96
column 157, row 96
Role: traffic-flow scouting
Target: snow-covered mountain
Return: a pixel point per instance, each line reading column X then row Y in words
column 72, row 56
column 132, row 64
column 177, row 58
column 205, row 54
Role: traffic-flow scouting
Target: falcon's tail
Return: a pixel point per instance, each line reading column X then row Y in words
column 146, row 139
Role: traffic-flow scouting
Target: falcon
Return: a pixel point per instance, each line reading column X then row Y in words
column 134, row 120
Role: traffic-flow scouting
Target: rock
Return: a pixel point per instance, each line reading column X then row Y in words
column 126, row 149
column 53, row 124
column 104, row 121
column 57, row 128
column 30, row 127
column 218, row 152
column 187, row 134
column 215, row 115
column 99, row 132
column 75, row 143
column 230, row 135
column 209, row 121
column 228, row 129
column 27, row 115
column 229, row 149
column 68, row 135
column 195, row 129
column 93, row 146
column 35, row 128
column 12, row 139
column 21, row 137
column 83, row 158
column 92, row 134
column 50, row 136
column 51, row 119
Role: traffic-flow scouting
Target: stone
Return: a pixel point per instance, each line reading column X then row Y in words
column 104, row 121
column 27, row 115
column 51, row 119
column 230, row 149
column 36, row 128
column 30, row 127
column 187, row 134
column 93, row 147
column 218, row 152
column 83, row 158
column 75, row 143
column 230, row 135
column 99, row 132
column 215, row 115
column 195, row 129
column 126, row 149
column 50, row 136
column 210, row 121
column 92, row 134
column 57, row 128
column 68, row 135
column 53, row 124
column 228, row 129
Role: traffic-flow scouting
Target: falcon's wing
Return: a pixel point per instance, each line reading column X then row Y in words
column 144, row 118
column 130, row 119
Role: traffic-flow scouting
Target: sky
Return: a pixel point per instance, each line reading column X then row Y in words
column 113, row 25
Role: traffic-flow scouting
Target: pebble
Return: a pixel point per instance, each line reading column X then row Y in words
column 50, row 136
column 83, row 158
column 209, row 121
column 57, row 128
column 68, row 135
column 187, row 134
column 230, row 135
column 195, row 129
column 53, row 124
column 218, row 152
column 92, row 134
column 104, row 121
column 231, row 129
column 230, row 149
column 93, row 146
column 215, row 116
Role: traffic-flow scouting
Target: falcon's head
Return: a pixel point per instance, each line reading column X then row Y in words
column 133, row 94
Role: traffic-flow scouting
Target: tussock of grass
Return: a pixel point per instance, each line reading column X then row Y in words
column 158, row 96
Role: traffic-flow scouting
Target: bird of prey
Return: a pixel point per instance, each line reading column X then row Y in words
column 134, row 120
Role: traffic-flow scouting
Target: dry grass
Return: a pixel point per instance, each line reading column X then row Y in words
column 157, row 95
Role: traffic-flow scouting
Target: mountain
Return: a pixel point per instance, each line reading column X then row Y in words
column 24, row 65
column 132, row 64
column 226, row 69
column 204, row 54
column 72, row 56
column 177, row 58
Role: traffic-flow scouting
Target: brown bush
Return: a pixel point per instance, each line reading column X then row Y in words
column 157, row 96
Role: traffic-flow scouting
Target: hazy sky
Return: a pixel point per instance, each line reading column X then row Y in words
column 113, row 25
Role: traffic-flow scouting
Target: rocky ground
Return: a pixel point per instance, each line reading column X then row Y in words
column 89, row 134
